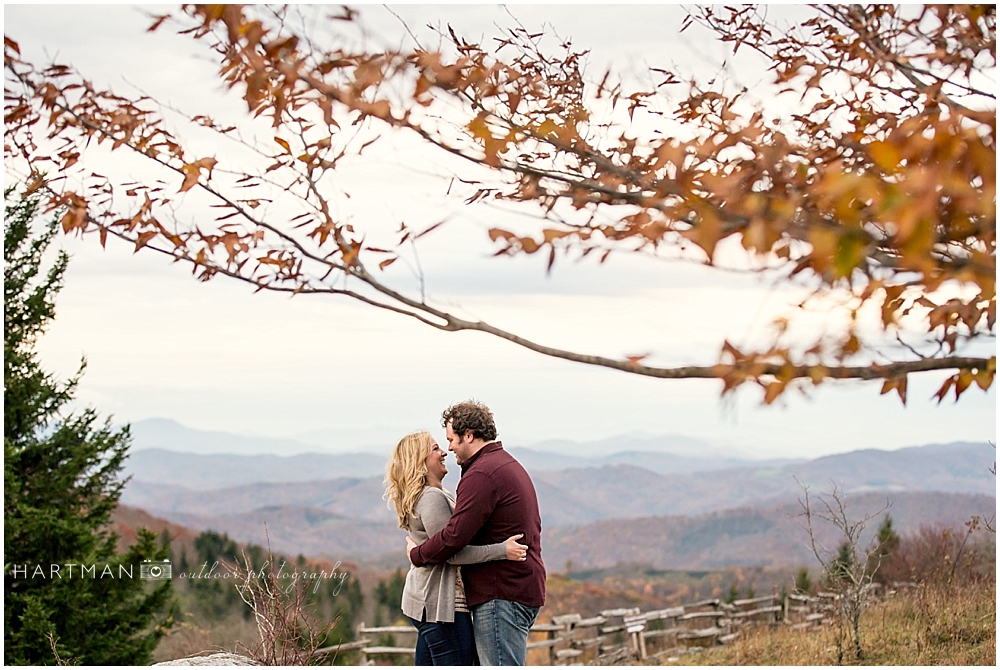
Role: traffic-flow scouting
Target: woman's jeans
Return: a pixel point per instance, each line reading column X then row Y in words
column 443, row 643
column 502, row 628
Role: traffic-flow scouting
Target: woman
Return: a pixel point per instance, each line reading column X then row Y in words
column 434, row 597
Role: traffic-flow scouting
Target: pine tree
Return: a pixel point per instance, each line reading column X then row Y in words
column 888, row 543
column 840, row 567
column 802, row 581
column 217, row 597
column 389, row 594
column 61, row 484
column 733, row 594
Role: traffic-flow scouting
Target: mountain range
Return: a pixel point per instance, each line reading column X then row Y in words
column 566, row 497
column 689, row 454
column 762, row 536
column 215, row 471
column 621, row 500
column 759, row 536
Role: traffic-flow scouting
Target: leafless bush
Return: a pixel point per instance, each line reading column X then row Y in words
column 850, row 568
column 941, row 554
column 53, row 645
column 288, row 632
column 991, row 523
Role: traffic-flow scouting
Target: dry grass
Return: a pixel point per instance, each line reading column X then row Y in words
column 933, row 625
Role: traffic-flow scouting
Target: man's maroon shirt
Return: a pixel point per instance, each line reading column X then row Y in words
column 495, row 500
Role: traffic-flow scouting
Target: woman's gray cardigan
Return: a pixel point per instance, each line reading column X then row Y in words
column 430, row 590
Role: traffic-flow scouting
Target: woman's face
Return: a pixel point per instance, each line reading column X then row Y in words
column 435, row 461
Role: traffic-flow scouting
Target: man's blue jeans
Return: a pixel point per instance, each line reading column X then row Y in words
column 502, row 631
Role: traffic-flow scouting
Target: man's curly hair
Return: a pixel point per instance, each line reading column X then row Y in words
column 471, row 415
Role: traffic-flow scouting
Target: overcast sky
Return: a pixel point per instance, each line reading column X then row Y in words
column 215, row 356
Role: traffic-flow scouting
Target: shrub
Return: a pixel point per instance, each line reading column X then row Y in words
column 938, row 554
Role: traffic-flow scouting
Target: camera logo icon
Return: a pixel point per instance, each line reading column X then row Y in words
column 155, row 570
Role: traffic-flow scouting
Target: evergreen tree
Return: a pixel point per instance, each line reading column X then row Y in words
column 733, row 594
column 841, row 566
column 216, row 597
column 344, row 611
column 802, row 581
column 888, row 542
column 389, row 594
column 61, row 484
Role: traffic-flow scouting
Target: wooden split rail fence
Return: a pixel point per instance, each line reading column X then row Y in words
column 619, row 634
column 804, row 611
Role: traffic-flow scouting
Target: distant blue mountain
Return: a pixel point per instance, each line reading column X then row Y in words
column 216, row 471
column 351, row 486
column 663, row 454
column 172, row 436
column 169, row 434
column 656, row 461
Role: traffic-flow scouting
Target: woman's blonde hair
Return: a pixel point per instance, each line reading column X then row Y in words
column 406, row 474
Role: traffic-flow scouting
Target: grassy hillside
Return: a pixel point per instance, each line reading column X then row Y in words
column 935, row 625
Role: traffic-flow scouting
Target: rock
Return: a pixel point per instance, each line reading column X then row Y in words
column 221, row 658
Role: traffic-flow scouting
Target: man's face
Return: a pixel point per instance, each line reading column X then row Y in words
column 457, row 444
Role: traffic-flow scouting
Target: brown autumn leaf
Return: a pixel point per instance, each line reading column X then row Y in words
column 144, row 238
column 34, row 185
column 885, row 155
column 897, row 384
column 192, row 172
column 772, row 391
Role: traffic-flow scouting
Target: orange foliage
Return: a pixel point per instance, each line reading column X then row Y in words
column 881, row 188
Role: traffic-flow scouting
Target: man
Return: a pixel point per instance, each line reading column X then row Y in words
column 495, row 500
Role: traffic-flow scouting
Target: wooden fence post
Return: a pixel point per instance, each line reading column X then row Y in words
column 362, row 656
column 635, row 624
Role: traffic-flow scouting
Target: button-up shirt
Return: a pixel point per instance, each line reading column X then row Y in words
column 495, row 500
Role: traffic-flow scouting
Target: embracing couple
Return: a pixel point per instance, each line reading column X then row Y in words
column 489, row 604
